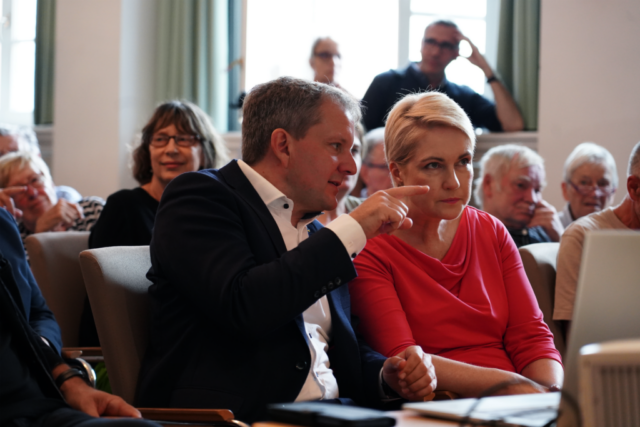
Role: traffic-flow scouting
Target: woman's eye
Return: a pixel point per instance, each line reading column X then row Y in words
column 465, row 162
column 433, row 165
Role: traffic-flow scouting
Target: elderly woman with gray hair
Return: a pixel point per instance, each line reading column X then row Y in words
column 590, row 181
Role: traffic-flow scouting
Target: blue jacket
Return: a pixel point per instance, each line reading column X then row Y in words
column 40, row 318
column 227, row 302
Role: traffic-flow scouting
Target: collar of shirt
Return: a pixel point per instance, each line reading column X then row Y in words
column 414, row 69
column 276, row 201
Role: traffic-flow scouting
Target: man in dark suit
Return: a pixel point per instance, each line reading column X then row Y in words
column 36, row 387
column 249, row 301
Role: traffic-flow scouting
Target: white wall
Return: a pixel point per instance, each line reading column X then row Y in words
column 589, row 84
column 103, row 90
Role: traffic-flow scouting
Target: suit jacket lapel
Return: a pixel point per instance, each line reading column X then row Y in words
column 236, row 179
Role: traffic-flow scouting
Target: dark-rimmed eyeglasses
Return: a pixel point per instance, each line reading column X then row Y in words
column 587, row 189
column 36, row 182
column 325, row 56
column 161, row 140
column 448, row 46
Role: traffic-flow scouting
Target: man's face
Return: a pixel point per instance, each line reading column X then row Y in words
column 321, row 160
column 8, row 144
column 439, row 48
column 375, row 171
column 325, row 61
column 513, row 198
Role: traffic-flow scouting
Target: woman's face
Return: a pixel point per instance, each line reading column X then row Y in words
column 442, row 160
column 39, row 197
column 171, row 160
column 589, row 190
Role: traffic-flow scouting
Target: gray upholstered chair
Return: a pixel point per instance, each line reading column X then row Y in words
column 118, row 290
column 54, row 262
column 539, row 262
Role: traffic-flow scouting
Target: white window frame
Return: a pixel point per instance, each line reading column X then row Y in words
column 6, row 115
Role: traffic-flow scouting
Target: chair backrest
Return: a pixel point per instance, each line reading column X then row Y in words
column 539, row 262
column 117, row 286
column 54, row 263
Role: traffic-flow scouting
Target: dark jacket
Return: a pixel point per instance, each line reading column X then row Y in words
column 227, row 303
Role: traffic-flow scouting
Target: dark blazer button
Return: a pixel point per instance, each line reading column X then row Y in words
column 323, row 290
column 317, row 294
column 301, row 365
column 337, row 281
column 331, row 286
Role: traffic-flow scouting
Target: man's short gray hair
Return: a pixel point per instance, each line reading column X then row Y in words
column 634, row 161
column 372, row 139
column 498, row 160
column 588, row 152
column 24, row 135
column 290, row 104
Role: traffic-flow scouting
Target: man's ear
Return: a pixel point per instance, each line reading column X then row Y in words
column 487, row 187
column 280, row 144
column 633, row 187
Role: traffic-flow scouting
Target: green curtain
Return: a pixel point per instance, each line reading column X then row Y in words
column 45, row 47
column 192, row 55
column 519, row 54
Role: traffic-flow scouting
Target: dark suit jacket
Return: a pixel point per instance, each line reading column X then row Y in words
column 36, row 311
column 226, row 303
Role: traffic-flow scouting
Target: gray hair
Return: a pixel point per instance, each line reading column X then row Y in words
column 588, row 152
column 24, row 135
column 371, row 140
column 634, row 161
column 498, row 160
column 290, row 104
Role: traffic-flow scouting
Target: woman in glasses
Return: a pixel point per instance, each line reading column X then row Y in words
column 30, row 196
column 590, row 181
column 178, row 138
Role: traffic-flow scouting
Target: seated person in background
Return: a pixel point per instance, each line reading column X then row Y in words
column 36, row 387
column 248, row 303
column 625, row 216
column 325, row 61
column 36, row 312
column 33, row 200
column 454, row 283
column 440, row 46
column 590, row 181
column 347, row 202
column 509, row 188
column 15, row 138
column 178, row 138
column 375, row 171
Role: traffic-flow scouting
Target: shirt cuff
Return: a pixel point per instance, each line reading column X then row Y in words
column 383, row 394
column 350, row 234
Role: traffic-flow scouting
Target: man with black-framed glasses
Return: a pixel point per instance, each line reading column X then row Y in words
column 440, row 46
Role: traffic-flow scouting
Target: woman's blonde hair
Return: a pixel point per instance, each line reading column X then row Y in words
column 10, row 163
column 414, row 114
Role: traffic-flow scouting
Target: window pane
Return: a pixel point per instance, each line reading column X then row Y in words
column 280, row 34
column 454, row 8
column 23, row 20
column 23, row 55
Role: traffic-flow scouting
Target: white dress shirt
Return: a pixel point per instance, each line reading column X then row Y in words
column 320, row 383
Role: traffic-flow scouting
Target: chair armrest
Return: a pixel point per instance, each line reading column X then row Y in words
column 218, row 416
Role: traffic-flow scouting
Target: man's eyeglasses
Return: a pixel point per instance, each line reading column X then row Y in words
column 383, row 166
column 587, row 189
column 160, row 141
column 448, row 46
column 325, row 56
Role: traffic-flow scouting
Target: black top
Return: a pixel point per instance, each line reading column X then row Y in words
column 527, row 236
column 389, row 87
column 126, row 220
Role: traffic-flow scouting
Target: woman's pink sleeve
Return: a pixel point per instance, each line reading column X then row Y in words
column 527, row 337
column 374, row 300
